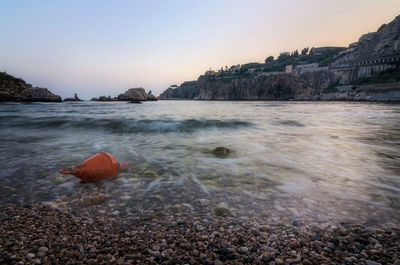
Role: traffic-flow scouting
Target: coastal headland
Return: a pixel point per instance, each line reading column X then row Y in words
column 367, row 70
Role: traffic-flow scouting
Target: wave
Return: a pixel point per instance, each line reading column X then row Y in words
column 131, row 126
column 291, row 123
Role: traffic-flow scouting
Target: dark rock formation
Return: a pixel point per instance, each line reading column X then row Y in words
column 104, row 98
column 221, row 151
column 187, row 90
column 133, row 94
column 135, row 102
column 151, row 97
column 75, row 98
column 16, row 89
column 273, row 87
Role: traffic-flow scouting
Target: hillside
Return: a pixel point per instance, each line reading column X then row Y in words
column 310, row 74
column 16, row 89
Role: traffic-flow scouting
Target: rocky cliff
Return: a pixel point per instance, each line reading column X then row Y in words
column 273, row 87
column 16, row 89
column 187, row 90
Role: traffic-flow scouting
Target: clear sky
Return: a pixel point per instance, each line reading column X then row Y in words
column 95, row 47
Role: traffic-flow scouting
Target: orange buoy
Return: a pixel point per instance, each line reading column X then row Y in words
column 98, row 167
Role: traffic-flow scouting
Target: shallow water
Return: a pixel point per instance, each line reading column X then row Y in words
column 321, row 153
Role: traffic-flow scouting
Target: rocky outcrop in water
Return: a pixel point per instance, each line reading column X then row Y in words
column 133, row 94
column 75, row 98
column 187, row 90
column 151, row 97
column 104, row 98
column 16, row 89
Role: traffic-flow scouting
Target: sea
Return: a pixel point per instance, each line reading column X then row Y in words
column 321, row 160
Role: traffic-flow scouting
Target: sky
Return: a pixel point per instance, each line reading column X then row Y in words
column 96, row 48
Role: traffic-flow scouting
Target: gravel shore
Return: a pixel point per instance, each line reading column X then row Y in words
column 51, row 234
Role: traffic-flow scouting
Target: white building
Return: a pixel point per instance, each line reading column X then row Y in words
column 210, row 72
column 235, row 68
column 289, row 68
column 306, row 67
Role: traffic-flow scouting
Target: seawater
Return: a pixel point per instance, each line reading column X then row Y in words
column 322, row 152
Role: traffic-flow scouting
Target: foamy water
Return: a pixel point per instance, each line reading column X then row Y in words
column 320, row 152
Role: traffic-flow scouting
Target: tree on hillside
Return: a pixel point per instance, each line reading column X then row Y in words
column 269, row 59
column 282, row 57
column 381, row 27
column 304, row 51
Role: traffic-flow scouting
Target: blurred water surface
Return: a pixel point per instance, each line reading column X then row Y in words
column 321, row 151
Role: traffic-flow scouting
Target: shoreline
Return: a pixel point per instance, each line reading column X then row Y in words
column 48, row 234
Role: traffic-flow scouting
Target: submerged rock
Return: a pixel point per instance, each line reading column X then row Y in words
column 222, row 210
column 94, row 200
column 221, row 151
column 150, row 174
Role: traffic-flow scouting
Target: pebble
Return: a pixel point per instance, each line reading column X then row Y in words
column 204, row 202
column 116, row 212
column 265, row 256
column 293, row 243
column 370, row 262
column 296, row 223
column 30, row 255
column 43, row 249
column 243, row 250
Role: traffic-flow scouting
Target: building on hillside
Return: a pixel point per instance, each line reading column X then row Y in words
column 284, row 54
column 306, row 67
column 268, row 73
column 234, row 68
column 288, row 68
column 210, row 72
column 322, row 50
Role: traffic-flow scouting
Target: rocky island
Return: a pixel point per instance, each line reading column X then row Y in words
column 75, row 98
column 17, row 90
column 365, row 70
column 133, row 95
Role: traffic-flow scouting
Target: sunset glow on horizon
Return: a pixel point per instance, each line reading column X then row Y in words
column 98, row 48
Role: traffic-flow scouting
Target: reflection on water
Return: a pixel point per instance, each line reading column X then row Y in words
column 308, row 152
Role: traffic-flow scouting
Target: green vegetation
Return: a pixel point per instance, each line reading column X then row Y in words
column 323, row 56
column 269, row 59
column 388, row 76
column 381, row 27
column 332, row 88
column 6, row 77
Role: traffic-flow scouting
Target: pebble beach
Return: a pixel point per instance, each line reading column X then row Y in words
column 218, row 229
